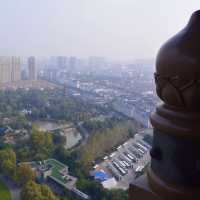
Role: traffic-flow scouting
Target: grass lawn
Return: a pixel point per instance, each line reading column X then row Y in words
column 4, row 192
column 57, row 167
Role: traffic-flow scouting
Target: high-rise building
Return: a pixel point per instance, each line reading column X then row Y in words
column 4, row 69
column 10, row 69
column 50, row 74
column 32, row 69
column 72, row 63
column 15, row 69
column 61, row 61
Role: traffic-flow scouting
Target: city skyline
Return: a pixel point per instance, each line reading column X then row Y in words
column 122, row 29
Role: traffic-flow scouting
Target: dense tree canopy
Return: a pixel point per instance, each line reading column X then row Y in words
column 47, row 104
column 41, row 144
column 8, row 162
column 99, row 125
column 25, row 174
column 34, row 191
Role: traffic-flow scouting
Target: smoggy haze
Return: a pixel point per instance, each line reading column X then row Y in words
column 124, row 29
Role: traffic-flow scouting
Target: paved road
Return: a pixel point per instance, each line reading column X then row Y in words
column 14, row 189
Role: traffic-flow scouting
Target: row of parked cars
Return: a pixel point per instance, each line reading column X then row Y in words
column 126, row 157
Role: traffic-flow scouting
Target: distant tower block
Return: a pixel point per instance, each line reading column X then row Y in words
column 5, row 69
column 10, row 69
column 15, row 68
column 32, row 69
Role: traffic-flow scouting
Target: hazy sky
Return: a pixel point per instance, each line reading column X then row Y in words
column 124, row 29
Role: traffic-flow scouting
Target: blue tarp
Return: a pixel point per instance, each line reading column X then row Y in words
column 2, row 131
column 102, row 176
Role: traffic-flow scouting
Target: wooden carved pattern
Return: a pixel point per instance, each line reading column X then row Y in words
column 183, row 85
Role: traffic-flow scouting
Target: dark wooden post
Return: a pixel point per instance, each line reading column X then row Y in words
column 174, row 173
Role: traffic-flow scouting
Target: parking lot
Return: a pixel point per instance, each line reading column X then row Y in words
column 129, row 159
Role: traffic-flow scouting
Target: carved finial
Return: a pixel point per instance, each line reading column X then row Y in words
column 178, row 67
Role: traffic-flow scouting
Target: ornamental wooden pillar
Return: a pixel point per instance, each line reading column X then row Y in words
column 174, row 173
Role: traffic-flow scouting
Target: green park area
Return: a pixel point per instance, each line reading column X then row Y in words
column 4, row 192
